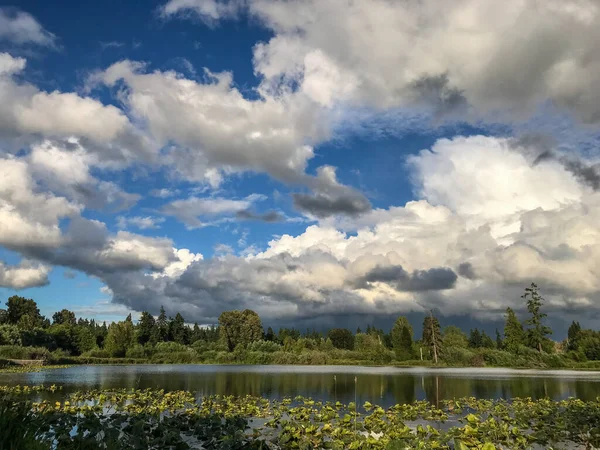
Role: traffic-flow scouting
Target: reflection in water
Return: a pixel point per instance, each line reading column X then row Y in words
column 384, row 386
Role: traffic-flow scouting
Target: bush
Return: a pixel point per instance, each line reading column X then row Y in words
column 165, row 347
column 457, row 356
column 185, row 357
column 264, row 346
column 137, row 351
column 16, row 352
column 96, row 353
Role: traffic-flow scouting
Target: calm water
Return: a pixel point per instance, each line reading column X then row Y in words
column 381, row 385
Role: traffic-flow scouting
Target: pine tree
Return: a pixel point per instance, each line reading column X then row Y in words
column 145, row 328
column 486, row 340
column 270, row 334
column 573, row 336
column 499, row 343
column 432, row 337
column 475, row 339
column 538, row 331
column 163, row 325
column 514, row 335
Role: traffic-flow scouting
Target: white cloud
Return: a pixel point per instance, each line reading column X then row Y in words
column 143, row 223
column 509, row 56
column 24, row 275
column 20, row 28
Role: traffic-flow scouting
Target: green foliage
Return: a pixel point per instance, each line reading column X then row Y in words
column 146, row 330
column 341, row 338
column 454, row 337
column 23, row 312
column 432, row 336
column 537, row 332
column 64, row 317
column 573, row 336
column 401, row 337
column 264, row 346
column 120, row 337
column 18, row 352
column 514, row 336
column 10, row 335
column 240, row 328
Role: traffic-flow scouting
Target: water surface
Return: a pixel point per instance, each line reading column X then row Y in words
column 382, row 385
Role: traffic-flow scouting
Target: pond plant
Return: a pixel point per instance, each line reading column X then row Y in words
column 42, row 417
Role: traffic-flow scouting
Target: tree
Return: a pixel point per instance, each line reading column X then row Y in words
column 119, row 338
column 85, row 339
column 3, row 316
column 341, row 338
column 163, row 325
column 454, row 337
column 538, row 331
column 499, row 342
column 573, row 336
column 146, row 328
column 486, row 340
column 240, row 328
column 432, row 337
column 401, row 335
column 514, row 335
column 177, row 330
column 64, row 316
column 17, row 307
column 270, row 334
column 475, row 339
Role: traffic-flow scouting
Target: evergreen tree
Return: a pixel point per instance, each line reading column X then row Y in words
column 64, row 316
column 486, row 340
column 499, row 343
column 270, row 335
column 573, row 336
column 432, row 337
column 401, row 336
column 538, row 331
column 475, row 339
column 514, row 336
column 162, row 325
column 177, row 331
column 146, row 328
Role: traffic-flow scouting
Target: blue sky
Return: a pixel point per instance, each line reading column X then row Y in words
column 314, row 161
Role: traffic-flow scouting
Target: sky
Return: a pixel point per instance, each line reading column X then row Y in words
column 324, row 163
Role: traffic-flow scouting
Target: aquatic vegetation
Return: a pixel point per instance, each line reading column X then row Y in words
column 31, row 368
column 129, row 418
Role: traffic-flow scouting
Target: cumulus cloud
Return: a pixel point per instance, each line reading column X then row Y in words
column 24, row 275
column 20, row 27
column 455, row 249
column 496, row 56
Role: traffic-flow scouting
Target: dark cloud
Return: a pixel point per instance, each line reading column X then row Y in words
column 420, row 280
column 541, row 148
column 269, row 217
column 349, row 203
column 466, row 270
column 434, row 90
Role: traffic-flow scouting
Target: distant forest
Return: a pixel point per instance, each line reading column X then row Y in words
column 240, row 338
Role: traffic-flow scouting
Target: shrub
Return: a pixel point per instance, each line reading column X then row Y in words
column 186, row 357
column 165, row 347
column 96, row 353
column 16, row 352
column 264, row 346
column 457, row 356
column 137, row 351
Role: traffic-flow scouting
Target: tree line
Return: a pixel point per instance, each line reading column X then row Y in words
column 240, row 336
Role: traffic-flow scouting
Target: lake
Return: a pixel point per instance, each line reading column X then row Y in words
column 381, row 385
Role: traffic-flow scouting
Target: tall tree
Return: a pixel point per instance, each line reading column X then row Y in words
column 475, row 339
column 240, row 328
column 17, row 307
column 432, row 337
column 146, row 328
column 64, row 316
column 573, row 336
column 270, row 334
column 454, row 337
column 499, row 342
column 486, row 340
column 514, row 336
column 538, row 331
column 120, row 337
column 163, row 325
column 177, row 330
column 341, row 338
column 401, row 335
